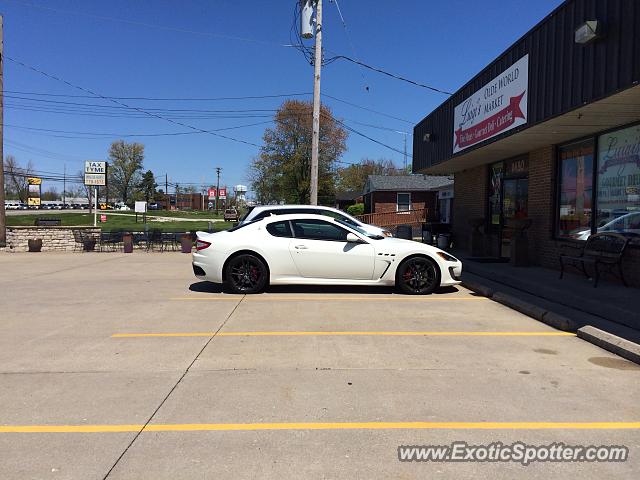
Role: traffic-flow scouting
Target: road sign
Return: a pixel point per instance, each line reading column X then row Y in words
column 95, row 173
column 140, row 207
column 211, row 193
column 95, row 179
column 222, row 193
column 33, row 202
column 95, row 167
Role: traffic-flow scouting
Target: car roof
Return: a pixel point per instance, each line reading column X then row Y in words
column 282, row 207
column 295, row 216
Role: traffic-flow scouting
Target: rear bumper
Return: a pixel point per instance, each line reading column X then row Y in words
column 208, row 266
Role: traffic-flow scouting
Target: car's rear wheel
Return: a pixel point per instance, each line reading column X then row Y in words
column 246, row 274
column 418, row 276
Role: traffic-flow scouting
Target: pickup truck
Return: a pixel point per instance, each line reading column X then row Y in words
column 231, row 215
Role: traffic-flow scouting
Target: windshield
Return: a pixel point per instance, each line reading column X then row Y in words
column 246, row 214
column 359, row 229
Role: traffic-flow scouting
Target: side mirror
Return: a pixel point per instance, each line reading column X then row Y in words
column 353, row 238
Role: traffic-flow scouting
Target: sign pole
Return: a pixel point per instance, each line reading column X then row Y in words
column 95, row 206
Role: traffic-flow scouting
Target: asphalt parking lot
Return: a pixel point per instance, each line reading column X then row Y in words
column 125, row 366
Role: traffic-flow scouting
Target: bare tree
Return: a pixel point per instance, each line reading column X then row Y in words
column 16, row 177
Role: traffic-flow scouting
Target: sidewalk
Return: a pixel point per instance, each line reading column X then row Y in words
column 610, row 307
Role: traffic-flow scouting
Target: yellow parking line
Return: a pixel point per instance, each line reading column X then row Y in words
column 323, row 333
column 209, row 427
column 319, row 298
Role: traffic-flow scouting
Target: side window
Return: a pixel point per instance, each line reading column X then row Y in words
column 279, row 229
column 318, row 230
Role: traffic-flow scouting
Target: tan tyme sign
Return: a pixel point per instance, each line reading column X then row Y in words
column 95, row 167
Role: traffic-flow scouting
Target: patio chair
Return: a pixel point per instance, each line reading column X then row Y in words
column 78, row 240
column 154, row 239
column 105, row 241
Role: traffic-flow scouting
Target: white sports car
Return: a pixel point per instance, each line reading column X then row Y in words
column 306, row 249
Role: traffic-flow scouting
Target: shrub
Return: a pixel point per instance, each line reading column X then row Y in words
column 356, row 209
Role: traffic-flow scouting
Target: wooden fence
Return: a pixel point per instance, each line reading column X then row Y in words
column 393, row 219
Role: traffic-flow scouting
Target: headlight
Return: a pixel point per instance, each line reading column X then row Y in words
column 387, row 233
column 446, row 257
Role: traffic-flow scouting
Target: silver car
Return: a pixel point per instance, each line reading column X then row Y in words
column 262, row 211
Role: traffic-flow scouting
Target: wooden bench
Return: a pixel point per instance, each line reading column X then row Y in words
column 603, row 250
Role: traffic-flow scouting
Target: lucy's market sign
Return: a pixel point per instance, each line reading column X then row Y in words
column 497, row 107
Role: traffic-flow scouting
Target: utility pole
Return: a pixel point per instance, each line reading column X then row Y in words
column 405, row 153
column 218, row 170
column 315, row 139
column 64, row 187
column 166, row 190
column 3, row 219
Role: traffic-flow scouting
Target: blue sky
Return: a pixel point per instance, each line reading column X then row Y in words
column 232, row 48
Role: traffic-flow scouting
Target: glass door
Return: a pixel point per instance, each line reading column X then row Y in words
column 515, row 202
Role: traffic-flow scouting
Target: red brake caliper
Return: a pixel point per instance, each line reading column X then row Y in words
column 408, row 274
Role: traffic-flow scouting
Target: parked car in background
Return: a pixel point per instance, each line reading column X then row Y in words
column 154, row 206
column 231, row 215
column 628, row 225
column 307, row 249
column 262, row 211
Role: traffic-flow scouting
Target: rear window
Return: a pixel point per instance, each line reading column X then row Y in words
column 279, row 229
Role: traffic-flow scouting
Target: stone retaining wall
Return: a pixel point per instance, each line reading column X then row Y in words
column 53, row 238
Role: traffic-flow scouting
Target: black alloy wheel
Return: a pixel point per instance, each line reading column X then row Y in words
column 418, row 276
column 246, row 274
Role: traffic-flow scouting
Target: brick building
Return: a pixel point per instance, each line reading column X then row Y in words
column 548, row 132
column 402, row 193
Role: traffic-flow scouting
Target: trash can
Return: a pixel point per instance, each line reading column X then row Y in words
column 186, row 244
column 35, row 244
column 127, row 243
column 444, row 240
column 404, row 231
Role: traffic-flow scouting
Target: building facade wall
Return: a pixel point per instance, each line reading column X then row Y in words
column 470, row 193
column 382, row 202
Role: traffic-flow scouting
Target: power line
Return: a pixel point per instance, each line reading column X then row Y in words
column 99, row 135
column 384, row 72
column 151, row 25
column 353, row 48
column 162, row 99
column 48, row 75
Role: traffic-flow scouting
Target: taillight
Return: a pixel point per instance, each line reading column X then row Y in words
column 201, row 244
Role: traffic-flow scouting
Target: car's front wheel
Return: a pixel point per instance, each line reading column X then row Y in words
column 246, row 274
column 418, row 276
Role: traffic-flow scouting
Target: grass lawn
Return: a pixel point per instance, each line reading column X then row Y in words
column 125, row 222
column 172, row 213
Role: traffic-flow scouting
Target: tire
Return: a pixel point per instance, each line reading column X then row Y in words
column 246, row 274
column 418, row 276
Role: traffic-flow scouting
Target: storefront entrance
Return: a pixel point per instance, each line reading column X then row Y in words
column 508, row 199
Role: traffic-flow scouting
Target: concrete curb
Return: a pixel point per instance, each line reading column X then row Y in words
column 520, row 305
column 612, row 343
column 478, row 288
column 607, row 341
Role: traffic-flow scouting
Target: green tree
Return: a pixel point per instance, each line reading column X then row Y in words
column 354, row 177
column 282, row 170
column 148, row 186
column 51, row 194
column 125, row 167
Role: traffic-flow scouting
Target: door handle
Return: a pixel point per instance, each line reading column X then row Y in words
column 301, row 247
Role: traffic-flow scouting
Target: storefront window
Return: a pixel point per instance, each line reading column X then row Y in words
column 576, row 191
column 618, row 175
